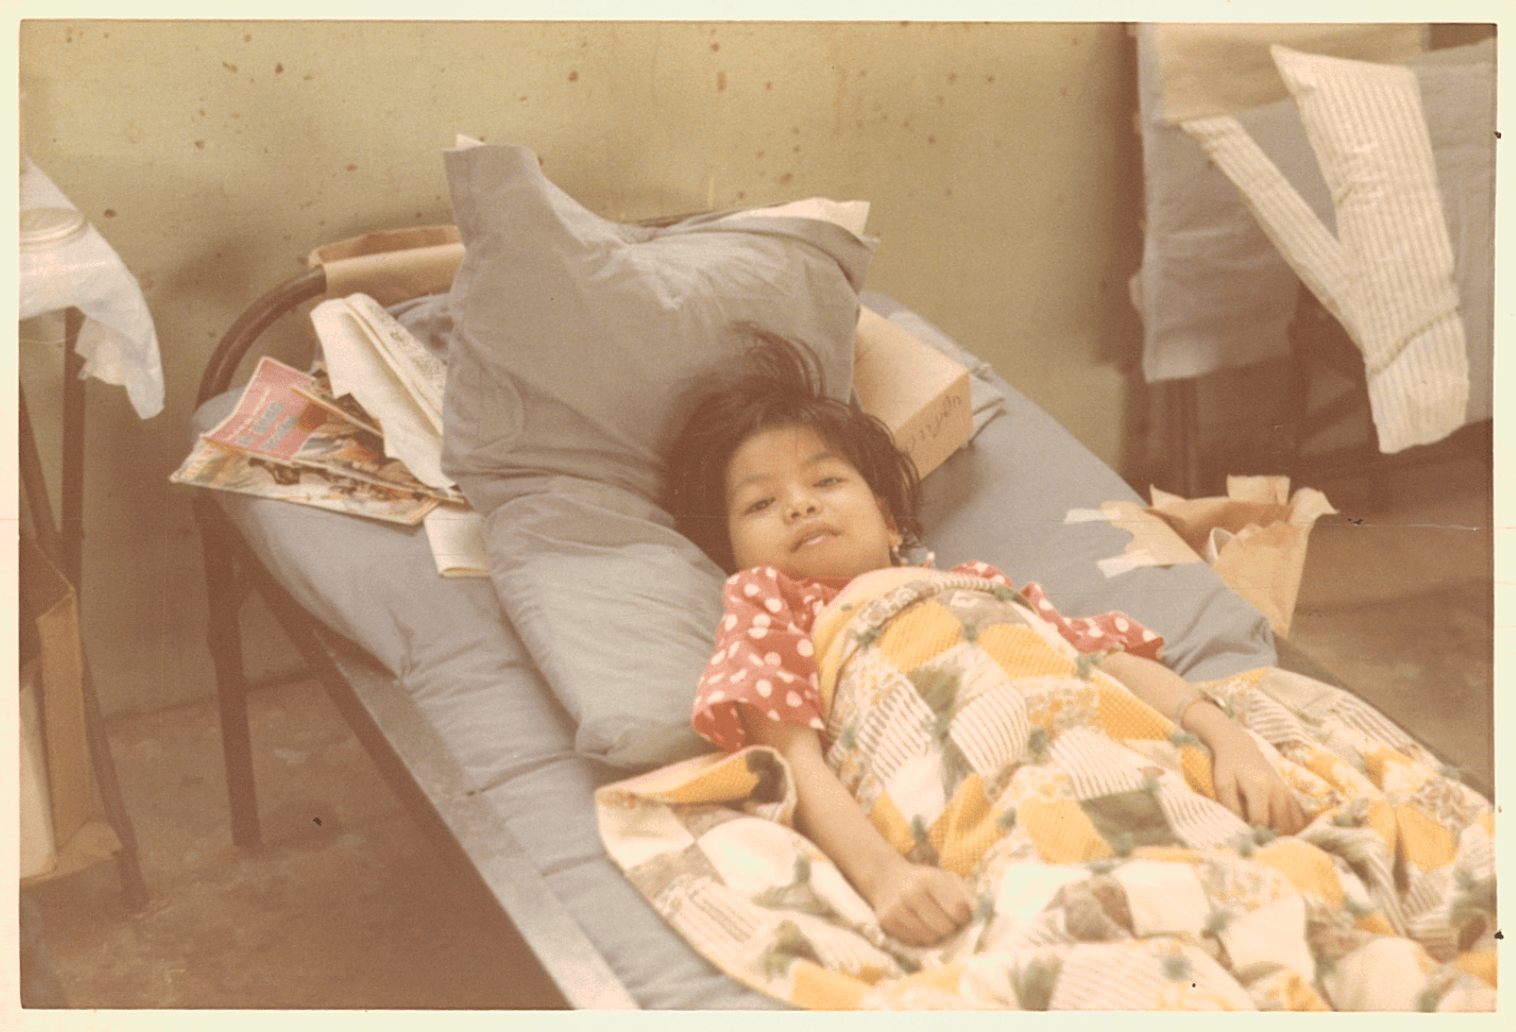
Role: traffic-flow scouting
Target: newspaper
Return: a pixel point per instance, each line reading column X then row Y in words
column 392, row 375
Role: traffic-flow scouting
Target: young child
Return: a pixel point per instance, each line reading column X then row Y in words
column 795, row 494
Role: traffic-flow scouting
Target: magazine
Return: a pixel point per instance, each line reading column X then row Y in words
column 275, row 422
column 360, row 434
column 223, row 469
column 345, row 407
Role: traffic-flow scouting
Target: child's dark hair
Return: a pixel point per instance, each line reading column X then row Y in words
column 778, row 383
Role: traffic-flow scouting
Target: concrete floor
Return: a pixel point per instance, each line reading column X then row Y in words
column 1398, row 603
column 347, row 906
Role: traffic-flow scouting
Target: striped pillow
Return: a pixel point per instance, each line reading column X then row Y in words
column 1387, row 274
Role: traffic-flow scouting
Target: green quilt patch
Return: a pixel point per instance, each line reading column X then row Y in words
column 1130, row 819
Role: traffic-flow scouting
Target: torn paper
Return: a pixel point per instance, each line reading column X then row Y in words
column 1254, row 538
column 1153, row 542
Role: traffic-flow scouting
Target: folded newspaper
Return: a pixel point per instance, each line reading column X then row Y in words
column 361, row 435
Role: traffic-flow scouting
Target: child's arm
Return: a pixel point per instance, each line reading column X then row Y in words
column 1246, row 783
column 915, row 903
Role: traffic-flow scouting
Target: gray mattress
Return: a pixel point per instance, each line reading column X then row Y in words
column 1001, row 499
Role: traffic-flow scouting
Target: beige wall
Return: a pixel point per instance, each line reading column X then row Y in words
column 1000, row 161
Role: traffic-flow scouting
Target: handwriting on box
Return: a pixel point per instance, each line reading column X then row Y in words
column 931, row 424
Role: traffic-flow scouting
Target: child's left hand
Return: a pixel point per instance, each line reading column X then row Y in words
column 1246, row 782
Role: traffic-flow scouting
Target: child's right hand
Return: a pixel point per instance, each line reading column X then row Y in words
column 920, row 905
column 917, row 904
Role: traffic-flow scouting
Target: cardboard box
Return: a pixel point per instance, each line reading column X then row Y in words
column 51, row 650
column 918, row 392
column 39, row 852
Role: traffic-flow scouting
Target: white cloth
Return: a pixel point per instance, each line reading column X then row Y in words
column 118, row 342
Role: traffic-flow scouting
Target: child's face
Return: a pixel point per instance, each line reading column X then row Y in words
column 795, row 503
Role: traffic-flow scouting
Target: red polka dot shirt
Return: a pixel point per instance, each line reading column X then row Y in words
column 764, row 657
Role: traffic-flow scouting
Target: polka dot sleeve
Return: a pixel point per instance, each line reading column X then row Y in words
column 1107, row 632
column 763, row 656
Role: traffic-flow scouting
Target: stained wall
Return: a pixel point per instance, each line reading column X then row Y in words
column 1000, row 161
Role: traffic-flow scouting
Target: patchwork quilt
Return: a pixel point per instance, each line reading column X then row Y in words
column 1106, row 874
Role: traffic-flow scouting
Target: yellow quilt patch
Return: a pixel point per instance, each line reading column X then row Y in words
column 816, row 988
column 730, row 779
column 965, row 831
column 1308, row 868
column 1426, row 842
column 1061, row 831
column 892, row 824
column 1022, row 649
column 921, row 632
column 1481, row 965
column 1196, row 764
column 1123, row 715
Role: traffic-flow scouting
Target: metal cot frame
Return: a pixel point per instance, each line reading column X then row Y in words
column 413, row 758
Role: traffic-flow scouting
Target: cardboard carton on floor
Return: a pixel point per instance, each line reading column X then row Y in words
column 76, row 834
column 918, row 392
column 39, row 850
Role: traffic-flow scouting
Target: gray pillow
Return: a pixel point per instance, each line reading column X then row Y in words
column 576, row 340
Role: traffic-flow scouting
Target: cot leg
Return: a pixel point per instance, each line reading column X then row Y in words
column 225, row 640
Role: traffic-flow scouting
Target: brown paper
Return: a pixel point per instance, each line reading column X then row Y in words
column 1154, row 542
column 1255, row 538
column 392, row 265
